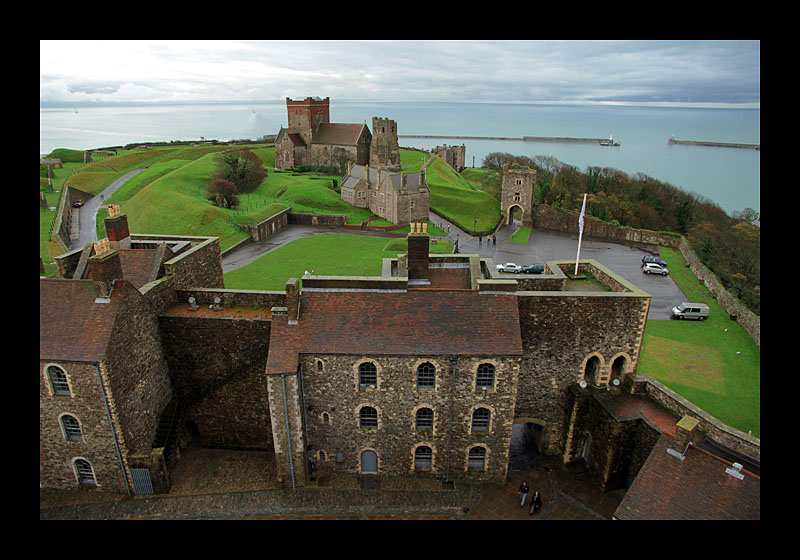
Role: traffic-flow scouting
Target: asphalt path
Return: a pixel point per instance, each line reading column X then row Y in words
column 87, row 214
column 543, row 245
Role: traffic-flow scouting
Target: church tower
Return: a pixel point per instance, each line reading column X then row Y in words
column 384, row 150
column 307, row 114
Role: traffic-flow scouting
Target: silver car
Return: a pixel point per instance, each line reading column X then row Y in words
column 653, row 268
column 509, row 267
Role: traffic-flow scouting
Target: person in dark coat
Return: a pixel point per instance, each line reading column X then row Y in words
column 536, row 502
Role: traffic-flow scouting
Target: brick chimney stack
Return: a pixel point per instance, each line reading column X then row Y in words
column 293, row 300
column 418, row 258
column 119, row 236
column 104, row 267
column 684, row 431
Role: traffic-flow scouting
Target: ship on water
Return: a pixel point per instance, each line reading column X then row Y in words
column 609, row 142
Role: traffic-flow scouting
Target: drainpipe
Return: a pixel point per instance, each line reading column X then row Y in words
column 453, row 364
column 113, row 431
column 288, row 434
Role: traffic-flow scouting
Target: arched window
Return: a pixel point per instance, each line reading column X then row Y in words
column 321, row 455
column 485, row 377
column 368, row 418
column 367, row 375
column 617, row 369
column 476, row 459
column 423, row 458
column 424, row 420
column 590, row 372
column 326, row 418
column 72, row 428
column 84, row 472
column 320, row 366
column 480, row 420
column 58, row 380
column 426, row 376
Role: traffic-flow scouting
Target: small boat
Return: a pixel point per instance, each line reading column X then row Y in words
column 609, row 142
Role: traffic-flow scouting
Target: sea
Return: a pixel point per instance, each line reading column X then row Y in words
column 730, row 177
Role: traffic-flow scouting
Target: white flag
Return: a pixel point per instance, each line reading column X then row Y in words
column 583, row 214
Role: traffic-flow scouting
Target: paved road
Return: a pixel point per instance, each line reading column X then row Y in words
column 624, row 259
column 87, row 232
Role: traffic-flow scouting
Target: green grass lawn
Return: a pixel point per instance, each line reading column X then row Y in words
column 713, row 363
column 325, row 255
column 521, row 236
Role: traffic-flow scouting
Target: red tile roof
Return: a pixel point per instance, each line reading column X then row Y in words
column 414, row 323
column 695, row 488
column 72, row 327
column 338, row 133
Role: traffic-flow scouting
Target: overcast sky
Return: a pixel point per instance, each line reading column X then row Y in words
column 664, row 72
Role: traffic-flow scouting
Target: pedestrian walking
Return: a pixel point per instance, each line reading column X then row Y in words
column 494, row 240
column 523, row 492
column 536, row 502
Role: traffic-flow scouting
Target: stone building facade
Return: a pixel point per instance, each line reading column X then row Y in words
column 518, row 187
column 422, row 371
column 401, row 198
column 453, row 156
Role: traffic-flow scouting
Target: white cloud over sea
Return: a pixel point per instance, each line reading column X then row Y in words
column 706, row 73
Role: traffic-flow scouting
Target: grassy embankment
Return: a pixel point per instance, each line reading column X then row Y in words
column 712, row 363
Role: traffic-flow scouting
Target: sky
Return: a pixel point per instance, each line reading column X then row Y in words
column 700, row 73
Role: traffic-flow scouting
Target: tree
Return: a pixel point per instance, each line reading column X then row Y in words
column 223, row 193
column 242, row 168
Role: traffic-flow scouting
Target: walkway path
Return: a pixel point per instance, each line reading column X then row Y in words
column 220, row 484
column 87, row 222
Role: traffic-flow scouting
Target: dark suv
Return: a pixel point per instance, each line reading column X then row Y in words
column 533, row 268
column 648, row 259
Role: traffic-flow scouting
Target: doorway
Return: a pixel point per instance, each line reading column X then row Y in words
column 524, row 453
column 369, row 462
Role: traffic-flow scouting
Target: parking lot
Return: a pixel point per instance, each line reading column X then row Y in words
column 624, row 259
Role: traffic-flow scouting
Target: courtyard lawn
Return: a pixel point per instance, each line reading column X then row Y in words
column 713, row 363
column 323, row 255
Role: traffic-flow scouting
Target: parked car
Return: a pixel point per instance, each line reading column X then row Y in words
column 537, row 268
column 649, row 259
column 653, row 268
column 688, row 310
column 509, row 267
column 77, row 204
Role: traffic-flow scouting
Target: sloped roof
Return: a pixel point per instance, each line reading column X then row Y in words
column 695, row 488
column 338, row 134
column 72, row 327
column 359, row 173
column 413, row 323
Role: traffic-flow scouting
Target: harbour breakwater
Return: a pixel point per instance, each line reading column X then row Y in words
column 517, row 139
column 714, row 144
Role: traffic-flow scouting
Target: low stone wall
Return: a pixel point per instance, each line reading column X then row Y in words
column 317, row 219
column 267, row 228
column 718, row 431
column 547, row 217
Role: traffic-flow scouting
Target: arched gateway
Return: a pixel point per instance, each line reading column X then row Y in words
column 517, row 192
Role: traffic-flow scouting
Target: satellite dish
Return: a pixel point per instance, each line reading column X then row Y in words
column 217, row 300
column 192, row 303
column 192, row 300
column 615, row 382
column 582, row 384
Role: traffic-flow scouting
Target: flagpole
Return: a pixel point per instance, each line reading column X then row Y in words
column 581, row 219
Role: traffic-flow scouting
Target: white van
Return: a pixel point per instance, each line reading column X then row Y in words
column 688, row 310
